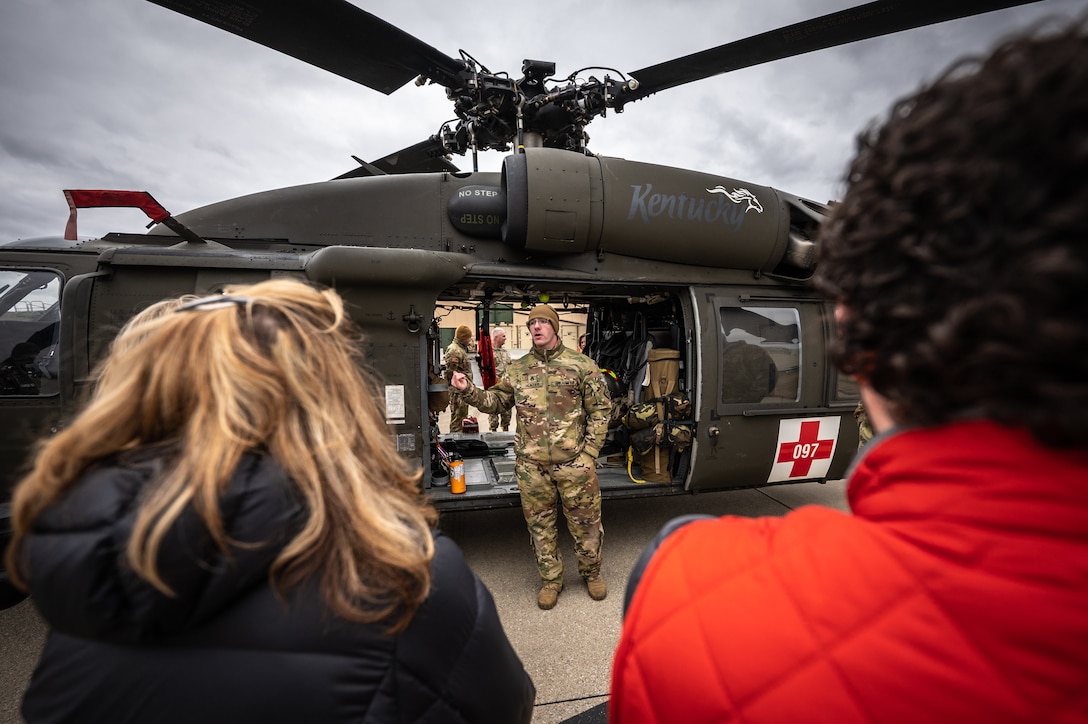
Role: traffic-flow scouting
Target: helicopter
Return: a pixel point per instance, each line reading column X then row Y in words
column 693, row 279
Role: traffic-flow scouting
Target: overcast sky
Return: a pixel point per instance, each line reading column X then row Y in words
column 125, row 94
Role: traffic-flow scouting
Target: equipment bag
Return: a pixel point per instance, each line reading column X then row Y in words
column 642, row 416
column 643, row 441
column 680, row 437
column 677, row 406
column 664, row 374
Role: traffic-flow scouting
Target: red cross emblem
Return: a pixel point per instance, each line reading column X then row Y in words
column 806, row 450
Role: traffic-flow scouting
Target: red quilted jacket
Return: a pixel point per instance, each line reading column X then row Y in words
column 956, row 592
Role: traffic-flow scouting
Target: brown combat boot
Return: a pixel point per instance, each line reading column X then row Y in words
column 549, row 594
column 597, row 589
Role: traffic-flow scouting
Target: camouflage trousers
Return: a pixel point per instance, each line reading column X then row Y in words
column 500, row 420
column 458, row 412
column 574, row 485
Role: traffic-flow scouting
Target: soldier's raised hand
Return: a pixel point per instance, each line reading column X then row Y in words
column 458, row 380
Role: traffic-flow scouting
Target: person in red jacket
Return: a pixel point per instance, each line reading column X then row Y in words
column 958, row 588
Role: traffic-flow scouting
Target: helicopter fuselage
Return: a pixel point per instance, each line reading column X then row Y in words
column 701, row 280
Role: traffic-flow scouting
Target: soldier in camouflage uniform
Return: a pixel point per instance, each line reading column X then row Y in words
column 502, row 362
column 865, row 428
column 456, row 360
column 562, row 418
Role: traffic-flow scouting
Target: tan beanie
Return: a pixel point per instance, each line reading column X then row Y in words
column 543, row 311
column 464, row 334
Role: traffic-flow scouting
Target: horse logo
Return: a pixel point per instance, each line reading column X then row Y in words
column 738, row 196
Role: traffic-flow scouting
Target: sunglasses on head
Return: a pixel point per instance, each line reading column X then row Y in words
column 216, row 301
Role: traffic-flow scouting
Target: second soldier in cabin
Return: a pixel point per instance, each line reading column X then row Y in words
column 563, row 409
column 500, row 420
column 457, row 360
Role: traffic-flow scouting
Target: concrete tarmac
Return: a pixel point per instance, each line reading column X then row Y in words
column 568, row 650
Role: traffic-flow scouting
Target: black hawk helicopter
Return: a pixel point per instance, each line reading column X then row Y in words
column 692, row 289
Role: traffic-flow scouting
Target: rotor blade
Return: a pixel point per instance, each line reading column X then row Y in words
column 331, row 34
column 846, row 26
column 423, row 157
column 363, row 170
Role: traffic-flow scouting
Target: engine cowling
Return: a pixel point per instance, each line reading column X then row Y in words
column 558, row 202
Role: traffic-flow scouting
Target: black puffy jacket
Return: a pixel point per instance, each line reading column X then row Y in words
column 227, row 648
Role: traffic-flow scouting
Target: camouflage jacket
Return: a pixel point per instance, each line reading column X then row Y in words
column 562, row 402
column 502, row 362
column 456, row 360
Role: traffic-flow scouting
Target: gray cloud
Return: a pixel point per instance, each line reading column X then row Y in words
column 125, row 94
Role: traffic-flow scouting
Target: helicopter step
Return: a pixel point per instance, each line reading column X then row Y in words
column 488, row 465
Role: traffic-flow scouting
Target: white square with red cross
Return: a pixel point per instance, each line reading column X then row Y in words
column 805, row 448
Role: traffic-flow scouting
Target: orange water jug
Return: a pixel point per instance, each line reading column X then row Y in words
column 457, row 474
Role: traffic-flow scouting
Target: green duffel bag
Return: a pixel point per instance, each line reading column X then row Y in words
column 641, row 416
column 646, row 439
column 680, row 437
column 677, row 406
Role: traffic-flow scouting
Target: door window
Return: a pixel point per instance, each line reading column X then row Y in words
column 760, row 355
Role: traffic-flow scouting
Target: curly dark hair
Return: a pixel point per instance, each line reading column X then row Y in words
column 959, row 253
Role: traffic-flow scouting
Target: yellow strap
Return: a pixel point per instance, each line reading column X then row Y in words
column 630, row 459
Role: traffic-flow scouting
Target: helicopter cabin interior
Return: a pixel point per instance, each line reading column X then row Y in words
column 627, row 331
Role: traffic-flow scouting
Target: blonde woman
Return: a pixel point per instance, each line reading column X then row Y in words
column 226, row 533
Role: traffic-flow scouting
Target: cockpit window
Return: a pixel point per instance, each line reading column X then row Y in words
column 29, row 327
